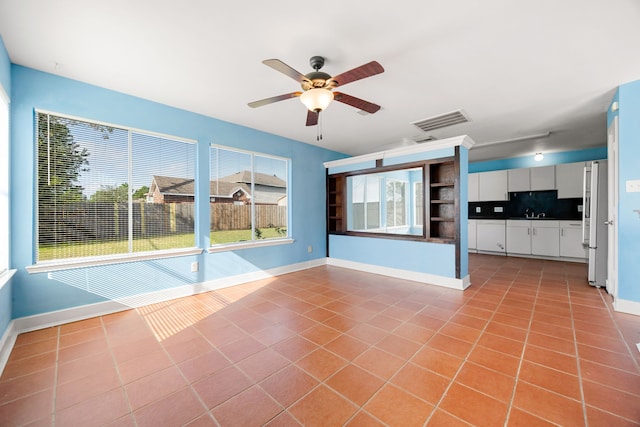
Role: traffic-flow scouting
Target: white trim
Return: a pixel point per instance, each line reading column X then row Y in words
column 249, row 244
column 7, row 341
column 432, row 279
column 123, row 127
column 4, row 96
column 240, row 150
column 626, row 306
column 69, row 263
column 5, row 276
column 462, row 140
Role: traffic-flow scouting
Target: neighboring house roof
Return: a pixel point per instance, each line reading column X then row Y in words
column 259, row 179
column 269, row 190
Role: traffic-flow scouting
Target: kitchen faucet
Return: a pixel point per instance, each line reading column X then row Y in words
column 529, row 213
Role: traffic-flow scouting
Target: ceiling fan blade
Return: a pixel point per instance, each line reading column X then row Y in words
column 367, row 70
column 278, row 65
column 312, row 118
column 273, row 99
column 358, row 103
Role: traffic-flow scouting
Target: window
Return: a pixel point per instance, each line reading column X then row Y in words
column 109, row 190
column 366, row 211
column 4, row 182
column 396, row 204
column 418, row 194
column 365, row 202
column 248, row 196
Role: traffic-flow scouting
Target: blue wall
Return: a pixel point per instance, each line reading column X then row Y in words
column 5, row 69
column 628, row 96
column 5, row 290
column 422, row 257
column 549, row 159
column 38, row 293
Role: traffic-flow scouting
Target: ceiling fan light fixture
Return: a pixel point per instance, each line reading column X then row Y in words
column 316, row 99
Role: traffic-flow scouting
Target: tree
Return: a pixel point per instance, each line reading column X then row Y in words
column 111, row 193
column 141, row 193
column 60, row 162
column 120, row 193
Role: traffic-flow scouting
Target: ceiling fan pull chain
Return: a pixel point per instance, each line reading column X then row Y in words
column 319, row 127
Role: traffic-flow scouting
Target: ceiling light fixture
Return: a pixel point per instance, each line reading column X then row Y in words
column 316, row 99
column 538, row 157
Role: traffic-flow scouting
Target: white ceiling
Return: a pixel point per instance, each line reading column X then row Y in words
column 516, row 68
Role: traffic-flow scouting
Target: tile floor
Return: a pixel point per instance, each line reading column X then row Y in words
column 529, row 344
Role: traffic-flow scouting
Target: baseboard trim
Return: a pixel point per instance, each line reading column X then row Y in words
column 7, row 342
column 626, row 306
column 432, row 279
column 74, row 314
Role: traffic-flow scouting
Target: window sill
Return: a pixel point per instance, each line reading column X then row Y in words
column 46, row 266
column 5, row 277
column 247, row 245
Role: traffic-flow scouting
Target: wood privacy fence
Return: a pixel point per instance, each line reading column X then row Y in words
column 92, row 221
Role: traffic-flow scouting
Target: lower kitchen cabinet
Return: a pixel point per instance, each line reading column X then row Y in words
column 545, row 238
column 571, row 240
column 533, row 237
column 490, row 235
column 519, row 237
column 472, row 231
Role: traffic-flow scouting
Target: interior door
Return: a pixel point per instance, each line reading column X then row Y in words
column 612, row 257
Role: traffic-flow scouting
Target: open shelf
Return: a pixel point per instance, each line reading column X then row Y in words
column 442, row 201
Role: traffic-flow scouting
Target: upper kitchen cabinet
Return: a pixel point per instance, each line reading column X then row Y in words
column 519, row 179
column 543, row 178
column 532, row 179
column 569, row 178
column 492, row 186
column 473, row 187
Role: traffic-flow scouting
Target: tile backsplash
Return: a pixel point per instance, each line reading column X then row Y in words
column 538, row 202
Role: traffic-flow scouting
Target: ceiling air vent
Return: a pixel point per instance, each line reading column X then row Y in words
column 423, row 139
column 441, row 121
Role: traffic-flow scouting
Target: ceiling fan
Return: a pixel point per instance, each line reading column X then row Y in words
column 317, row 87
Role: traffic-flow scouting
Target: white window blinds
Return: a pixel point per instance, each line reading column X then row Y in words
column 107, row 190
column 248, row 196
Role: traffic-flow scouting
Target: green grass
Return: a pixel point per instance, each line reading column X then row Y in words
column 75, row 250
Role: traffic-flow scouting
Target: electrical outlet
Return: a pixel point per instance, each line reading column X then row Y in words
column 194, row 267
column 478, row 209
column 309, row 248
column 633, row 186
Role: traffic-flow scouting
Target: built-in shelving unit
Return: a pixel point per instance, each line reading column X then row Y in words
column 442, row 201
column 335, row 204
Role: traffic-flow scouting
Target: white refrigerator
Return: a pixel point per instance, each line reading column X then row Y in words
column 594, row 221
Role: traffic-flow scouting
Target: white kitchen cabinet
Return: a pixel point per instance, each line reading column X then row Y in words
column 545, row 238
column 570, row 177
column 543, row 178
column 532, row 179
column 533, row 237
column 492, row 186
column 473, row 187
column 571, row 240
column 472, row 231
column 519, row 236
column 490, row 235
column 519, row 179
